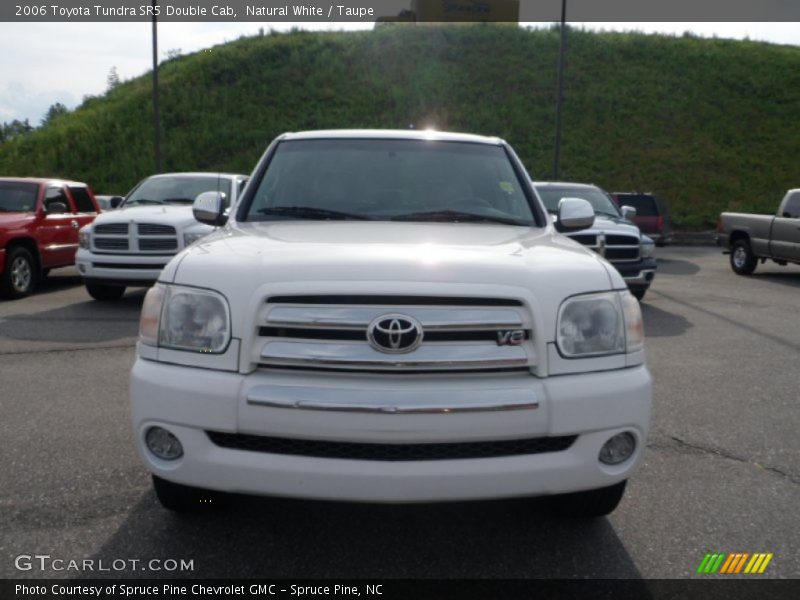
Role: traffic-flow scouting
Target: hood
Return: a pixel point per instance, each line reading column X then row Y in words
column 612, row 225
column 247, row 259
column 167, row 214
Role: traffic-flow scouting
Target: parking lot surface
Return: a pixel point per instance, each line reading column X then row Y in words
column 721, row 472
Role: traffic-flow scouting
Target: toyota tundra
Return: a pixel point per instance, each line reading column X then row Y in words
column 391, row 316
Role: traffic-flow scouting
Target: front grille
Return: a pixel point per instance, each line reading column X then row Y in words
column 372, row 300
column 158, row 244
column 111, row 229
column 390, row 452
column 147, row 267
column 155, row 229
column 111, row 243
column 358, row 335
column 333, row 332
column 585, row 239
column 613, row 254
column 621, row 240
column 613, row 247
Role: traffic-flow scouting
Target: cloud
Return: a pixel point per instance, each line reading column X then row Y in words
column 20, row 101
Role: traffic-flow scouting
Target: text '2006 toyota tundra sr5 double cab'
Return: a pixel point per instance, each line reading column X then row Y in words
column 750, row 238
column 390, row 316
column 128, row 247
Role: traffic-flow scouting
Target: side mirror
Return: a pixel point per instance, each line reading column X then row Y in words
column 55, row 208
column 574, row 214
column 209, row 208
column 628, row 212
column 115, row 201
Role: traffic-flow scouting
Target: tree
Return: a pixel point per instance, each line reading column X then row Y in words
column 113, row 79
column 15, row 128
column 55, row 111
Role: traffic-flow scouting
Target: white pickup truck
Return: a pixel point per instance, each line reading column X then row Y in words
column 129, row 247
column 391, row 316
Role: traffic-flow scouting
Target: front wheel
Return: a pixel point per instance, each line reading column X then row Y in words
column 743, row 261
column 18, row 275
column 105, row 293
column 639, row 293
column 589, row 504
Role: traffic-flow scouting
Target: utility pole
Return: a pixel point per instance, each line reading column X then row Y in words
column 560, row 89
column 156, row 107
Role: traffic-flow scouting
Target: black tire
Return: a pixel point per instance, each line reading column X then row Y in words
column 743, row 261
column 183, row 498
column 639, row 293
column 45, row 273
column 105, row 293
column 19, row 274
column 590, row 504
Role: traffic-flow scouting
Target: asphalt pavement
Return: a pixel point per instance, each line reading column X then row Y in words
column 721, row 472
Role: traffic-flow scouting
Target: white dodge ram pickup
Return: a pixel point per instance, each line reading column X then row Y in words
column 391, row 316
column 129, row 247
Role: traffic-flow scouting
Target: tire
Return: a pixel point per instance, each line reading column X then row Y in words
column 45, row 273
column 105, row 293
column 743, row 261
column 639, row 293
column 590, row 504
column 19, row 274
column 183, row 498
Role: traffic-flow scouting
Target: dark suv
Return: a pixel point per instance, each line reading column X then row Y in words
column 651, row 214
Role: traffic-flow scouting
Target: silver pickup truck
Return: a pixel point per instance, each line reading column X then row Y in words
column 750, row 238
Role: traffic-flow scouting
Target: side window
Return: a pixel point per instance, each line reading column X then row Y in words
column 53, row 198
column 83, row 203
column 792, row 208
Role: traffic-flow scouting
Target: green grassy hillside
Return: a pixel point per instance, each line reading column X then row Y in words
column 709, row 125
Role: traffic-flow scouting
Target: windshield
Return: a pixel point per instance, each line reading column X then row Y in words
column 176, row 190
column 374, row 179
column 17, row 196
column 600, row 201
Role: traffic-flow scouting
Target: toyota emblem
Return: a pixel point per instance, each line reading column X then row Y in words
column 394, row 333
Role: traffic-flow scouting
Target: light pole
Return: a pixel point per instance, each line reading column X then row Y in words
column 560, row 89
column 156, row 107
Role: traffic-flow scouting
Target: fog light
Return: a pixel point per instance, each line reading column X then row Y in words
column 163, row 444
column 618, row 449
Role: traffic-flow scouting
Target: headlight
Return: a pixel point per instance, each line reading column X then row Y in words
column 85, row 238
column 647, row 249
column 190, row 238
column 599, row 324
column 184, row 318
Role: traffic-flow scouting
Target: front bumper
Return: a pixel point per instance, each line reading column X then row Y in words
column 189, row 402
column 120, row 269
column 639, row 274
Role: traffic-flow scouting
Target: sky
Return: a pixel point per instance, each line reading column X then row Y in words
column 45, row 63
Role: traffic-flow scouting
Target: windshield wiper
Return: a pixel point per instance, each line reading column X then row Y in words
column 177, row 201
column 311, row 212
column 456, row 216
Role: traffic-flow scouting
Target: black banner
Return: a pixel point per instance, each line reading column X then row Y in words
column 397, row 10
column 711, row 588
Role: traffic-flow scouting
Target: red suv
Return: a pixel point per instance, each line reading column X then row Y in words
column 651, row 215
column 39, row 223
